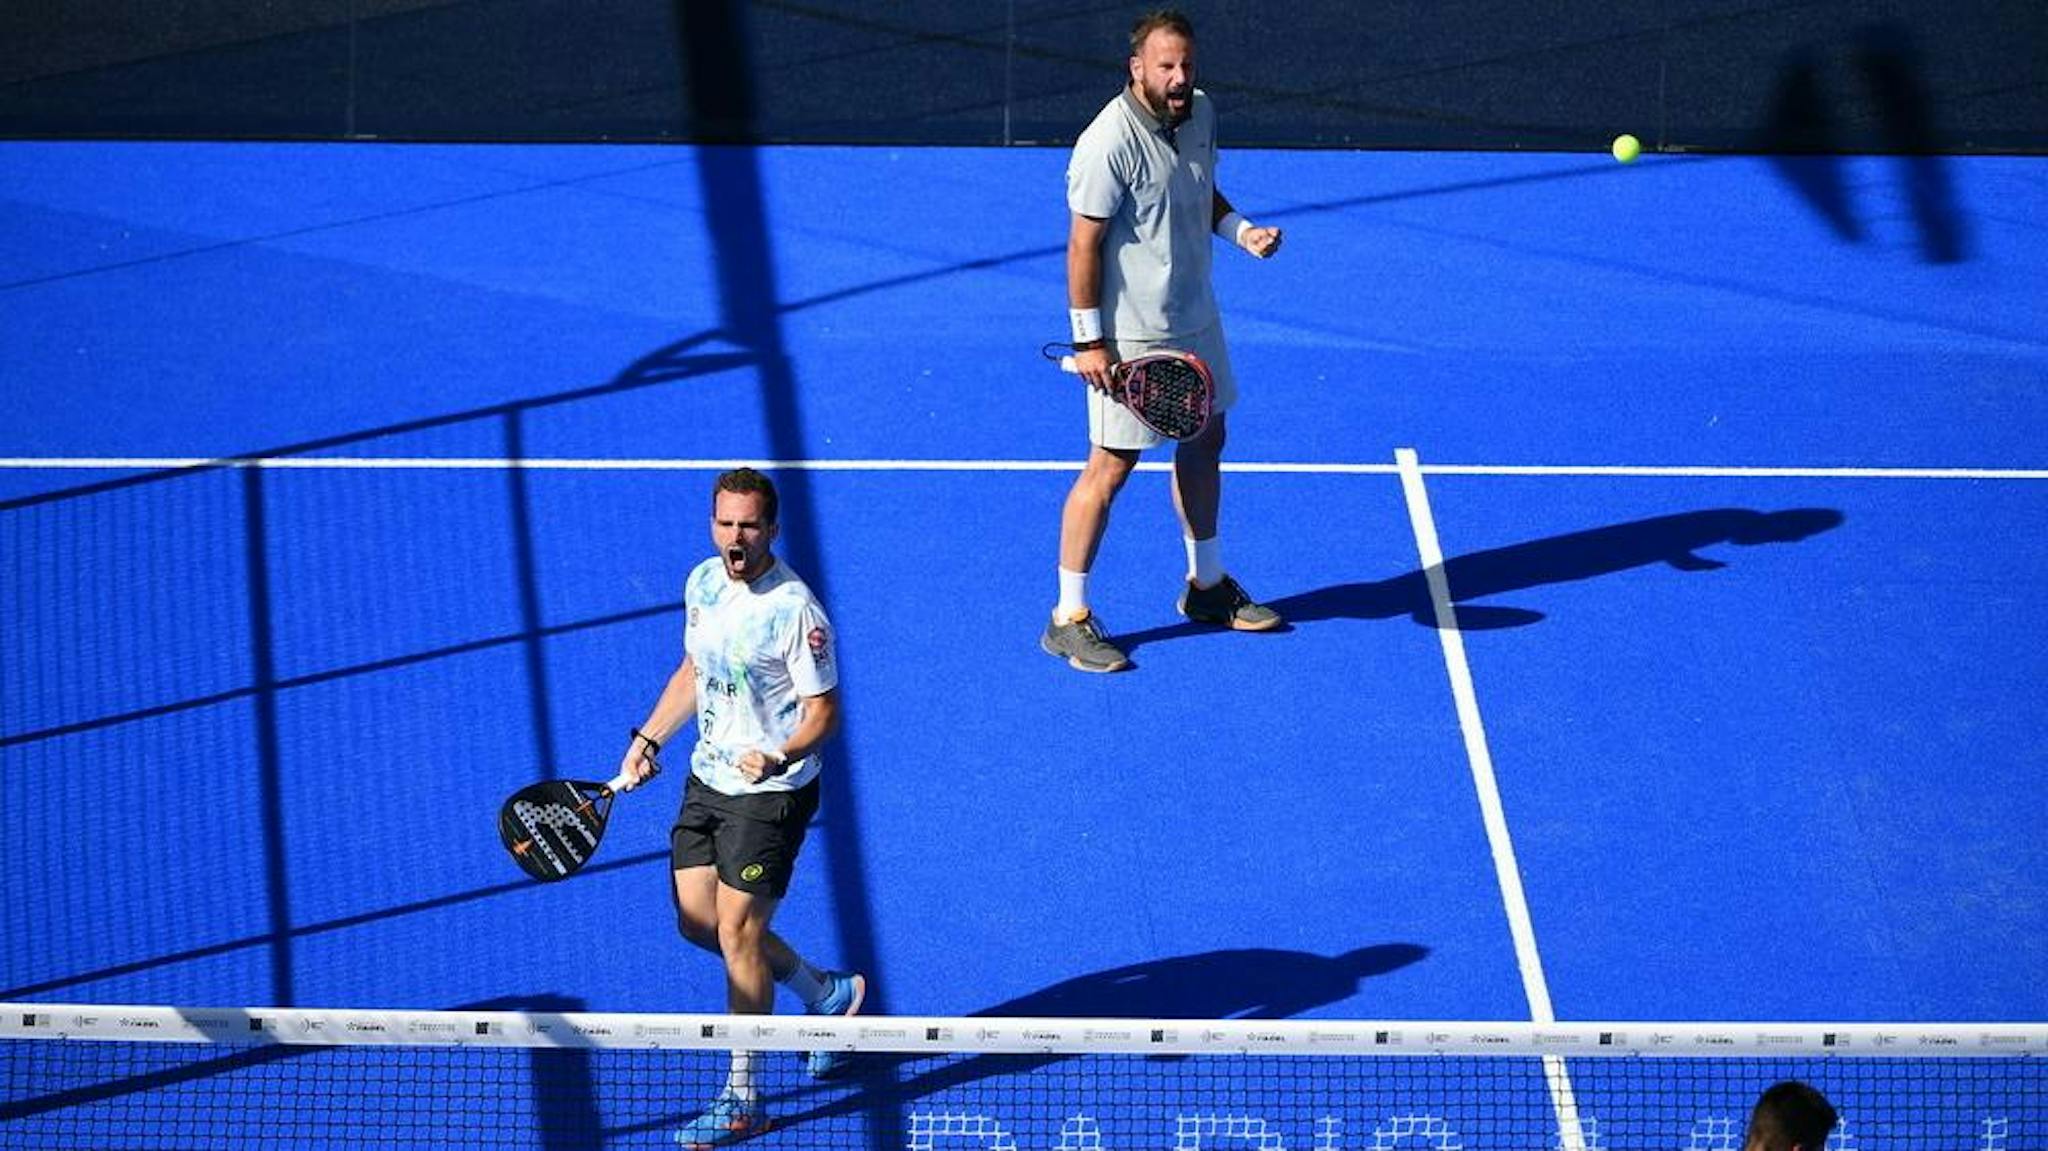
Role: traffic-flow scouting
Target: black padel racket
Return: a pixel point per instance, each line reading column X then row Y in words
column 552, row 828
column 1170, row 392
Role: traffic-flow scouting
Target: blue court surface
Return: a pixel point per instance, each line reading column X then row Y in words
column 1735, row 467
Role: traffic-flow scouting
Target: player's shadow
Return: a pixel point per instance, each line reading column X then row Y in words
column 1238, row 983
column 1673, row 540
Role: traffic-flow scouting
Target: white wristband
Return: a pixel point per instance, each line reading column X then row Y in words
column 1087, row 324
column 1232, row 227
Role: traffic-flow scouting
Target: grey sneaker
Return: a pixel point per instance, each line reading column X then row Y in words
column 1082, row 644
column 1225, row 604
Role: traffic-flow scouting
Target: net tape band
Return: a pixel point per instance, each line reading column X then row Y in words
column 1008, row 1035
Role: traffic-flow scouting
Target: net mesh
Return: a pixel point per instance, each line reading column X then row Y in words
column 507, row 1080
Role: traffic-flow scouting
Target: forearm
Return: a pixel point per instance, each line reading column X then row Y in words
column 1227, row 222
column 1084, row 295
column 676, row 707
column 1084, row 266
column 1219, row 207
column 820, row 719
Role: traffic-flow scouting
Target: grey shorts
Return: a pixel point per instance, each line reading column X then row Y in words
column 1111, row 425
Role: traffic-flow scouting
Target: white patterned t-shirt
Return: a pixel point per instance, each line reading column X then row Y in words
column 759, row 649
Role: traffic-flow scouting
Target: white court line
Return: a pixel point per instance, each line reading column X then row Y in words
column 486, row 463
column 1738, row 472
column 1508, row 873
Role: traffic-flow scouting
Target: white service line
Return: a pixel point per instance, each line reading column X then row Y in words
column 1429, row 550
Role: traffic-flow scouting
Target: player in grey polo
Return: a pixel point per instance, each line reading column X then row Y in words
column 1145, row 210
column 1157, row 198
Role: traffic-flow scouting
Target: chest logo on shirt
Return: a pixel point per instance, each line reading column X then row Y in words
column 817, row 641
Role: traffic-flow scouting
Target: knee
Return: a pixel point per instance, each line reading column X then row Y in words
column 1103, row 477
column 698, row 930
column 1206, row 447
column 739, row 939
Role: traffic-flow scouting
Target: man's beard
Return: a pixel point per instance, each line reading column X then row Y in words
column 1160, row 103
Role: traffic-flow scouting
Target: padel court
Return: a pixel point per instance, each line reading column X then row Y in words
column 1662, row 545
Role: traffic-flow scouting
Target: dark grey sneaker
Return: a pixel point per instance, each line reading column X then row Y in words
column 1225, row 604
column 1082, row 644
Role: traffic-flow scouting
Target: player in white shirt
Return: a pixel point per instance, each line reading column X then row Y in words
column 760, row 676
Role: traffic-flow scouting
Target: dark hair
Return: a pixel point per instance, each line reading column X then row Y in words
column 1792, row 1114
column 749, row 481
column 1167, row 18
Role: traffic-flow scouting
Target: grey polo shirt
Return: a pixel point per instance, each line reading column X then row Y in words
column 1157, row 197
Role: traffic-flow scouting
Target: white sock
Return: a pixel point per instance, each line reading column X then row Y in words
column 1205, row 560
column 1073, row 596
column 739, row 1082
column 805, row 982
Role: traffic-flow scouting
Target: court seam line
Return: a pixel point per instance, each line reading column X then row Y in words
column 486, row 463
column 1493, row 813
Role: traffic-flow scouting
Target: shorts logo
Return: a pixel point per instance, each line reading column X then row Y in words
column 753, row 872
column 817, row 641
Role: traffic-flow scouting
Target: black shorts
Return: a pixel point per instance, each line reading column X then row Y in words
column 752, row 839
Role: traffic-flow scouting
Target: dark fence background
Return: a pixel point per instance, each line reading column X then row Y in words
column 1820, row 76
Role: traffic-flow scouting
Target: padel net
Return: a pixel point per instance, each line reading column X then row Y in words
column 160, row 1077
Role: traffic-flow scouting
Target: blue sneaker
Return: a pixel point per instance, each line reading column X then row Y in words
column 729, row 1119
column 845, row 991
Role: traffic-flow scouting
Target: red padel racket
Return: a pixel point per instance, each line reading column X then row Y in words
column 552, row 828
column 1170, row 392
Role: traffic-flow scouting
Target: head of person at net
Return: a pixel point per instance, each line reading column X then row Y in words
column 1790, row 1116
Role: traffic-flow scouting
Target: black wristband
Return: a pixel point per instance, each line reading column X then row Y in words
column 653, row 744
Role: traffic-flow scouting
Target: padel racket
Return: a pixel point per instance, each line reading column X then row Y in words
column 552, row 828
column 1170, row 392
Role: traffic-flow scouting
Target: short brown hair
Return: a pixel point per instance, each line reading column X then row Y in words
column 1170, row 19
column 750, row 482
column 1792, row 1114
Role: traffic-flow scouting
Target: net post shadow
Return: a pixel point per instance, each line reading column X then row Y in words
column 269, row 754
column 718, row 85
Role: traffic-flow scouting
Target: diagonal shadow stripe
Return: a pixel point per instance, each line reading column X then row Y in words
column 318, row 677
column 310, row 930
column 679, row 365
